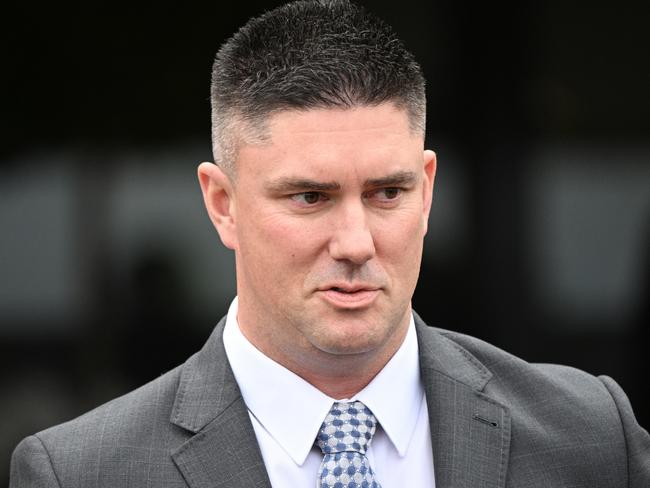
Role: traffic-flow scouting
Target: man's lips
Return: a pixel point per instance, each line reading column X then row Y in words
column 349, row 296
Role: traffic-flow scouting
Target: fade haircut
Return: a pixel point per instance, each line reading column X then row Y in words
column 307, row 55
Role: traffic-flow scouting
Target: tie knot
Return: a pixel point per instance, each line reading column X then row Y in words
column 348, row 427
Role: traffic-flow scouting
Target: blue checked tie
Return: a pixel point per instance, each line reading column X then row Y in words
column 344, row 437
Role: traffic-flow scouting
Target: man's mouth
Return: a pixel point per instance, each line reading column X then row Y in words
column 350, row 297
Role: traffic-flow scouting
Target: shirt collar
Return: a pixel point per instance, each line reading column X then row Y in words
column 395, row 395
column 291, row 410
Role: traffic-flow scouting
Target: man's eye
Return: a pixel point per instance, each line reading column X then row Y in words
column 308, row 197
column 388, row 193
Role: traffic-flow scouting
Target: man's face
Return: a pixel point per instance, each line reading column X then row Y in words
column 327, row 221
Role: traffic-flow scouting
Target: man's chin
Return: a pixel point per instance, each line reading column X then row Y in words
column 346, row 349
column 355, row 340
column 345, row 332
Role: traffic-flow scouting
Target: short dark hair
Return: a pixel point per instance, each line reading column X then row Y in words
column 310, row 54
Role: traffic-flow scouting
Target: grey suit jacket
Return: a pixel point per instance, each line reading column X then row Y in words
column 495, row 421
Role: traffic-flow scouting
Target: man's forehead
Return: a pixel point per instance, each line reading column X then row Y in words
column 329, row 144
column 385, row 124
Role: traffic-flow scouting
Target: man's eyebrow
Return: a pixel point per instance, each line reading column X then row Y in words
column 395, row 179
column 285, row 185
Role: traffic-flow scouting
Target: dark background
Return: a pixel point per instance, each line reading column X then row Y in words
column 110, row 272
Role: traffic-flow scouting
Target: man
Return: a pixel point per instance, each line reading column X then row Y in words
column 321, row 373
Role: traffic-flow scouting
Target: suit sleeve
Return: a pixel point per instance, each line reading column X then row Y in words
column 636, row 438
column 31, row 466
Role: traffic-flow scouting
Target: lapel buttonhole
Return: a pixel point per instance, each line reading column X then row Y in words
column 485, row 421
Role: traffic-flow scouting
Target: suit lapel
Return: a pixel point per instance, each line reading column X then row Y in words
column 223, row 452
column 470, row 433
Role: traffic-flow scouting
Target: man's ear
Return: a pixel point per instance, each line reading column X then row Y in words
column 427, row 187
column 218, row 197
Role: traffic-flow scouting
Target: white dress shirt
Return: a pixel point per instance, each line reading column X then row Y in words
column 287, row 412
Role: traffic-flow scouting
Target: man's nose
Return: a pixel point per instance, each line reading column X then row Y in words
column 352, row 239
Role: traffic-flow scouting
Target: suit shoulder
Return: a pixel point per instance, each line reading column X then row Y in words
column 125, row 418
column 507, row 368
column 539, row 394
column 124, row 437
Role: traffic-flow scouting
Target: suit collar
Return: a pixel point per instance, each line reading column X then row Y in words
column 443, row 356
column 470, row 432
column 206, row 387
column 223, row 452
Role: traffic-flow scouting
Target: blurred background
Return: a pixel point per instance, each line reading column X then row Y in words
column 111, row 273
